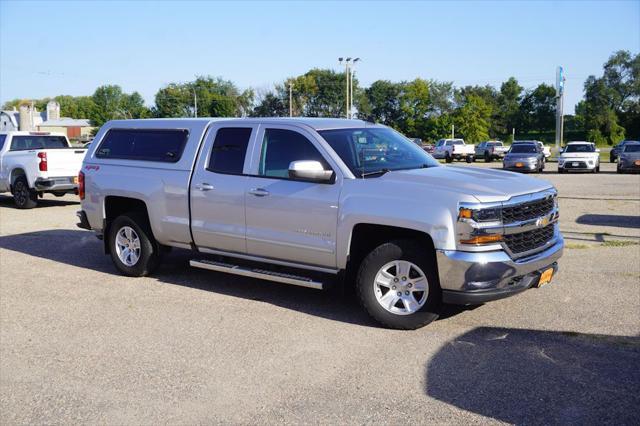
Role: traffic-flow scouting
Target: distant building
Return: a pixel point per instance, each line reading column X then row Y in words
column 28, row 118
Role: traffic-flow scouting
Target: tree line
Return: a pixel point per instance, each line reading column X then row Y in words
column 426, row 109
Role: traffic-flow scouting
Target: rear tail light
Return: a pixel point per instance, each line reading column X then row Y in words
column 43, row 161
column 81, row 185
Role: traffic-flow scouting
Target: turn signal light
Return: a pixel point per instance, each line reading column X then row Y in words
column 483, row 239
column 465, row 213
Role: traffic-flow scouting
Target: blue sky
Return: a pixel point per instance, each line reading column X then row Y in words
column 50, row 48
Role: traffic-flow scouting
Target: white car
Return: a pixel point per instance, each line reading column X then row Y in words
column 579, row 156
column 454, row 149
column 32, row 163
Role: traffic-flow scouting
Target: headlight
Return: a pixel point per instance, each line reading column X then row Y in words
column 481, row 215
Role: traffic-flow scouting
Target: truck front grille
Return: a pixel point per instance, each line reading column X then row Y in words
column 527, row 211
column 529, row 240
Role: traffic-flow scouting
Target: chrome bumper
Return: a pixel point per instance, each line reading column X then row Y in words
column 472, row 278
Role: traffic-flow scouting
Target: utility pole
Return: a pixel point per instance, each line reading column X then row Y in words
column 513, row 134
column 351, row 87
column 453, row 131
column 290, row 99
column 349, row 81
column 195, row 103
column 559, row 107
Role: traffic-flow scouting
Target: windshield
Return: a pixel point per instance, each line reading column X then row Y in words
column 581, row 148
column 523, row 149
column 373, row 150
column 21, row 143
column 632, row 148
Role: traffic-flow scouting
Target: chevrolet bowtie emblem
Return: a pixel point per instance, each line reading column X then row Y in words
column 542, row 222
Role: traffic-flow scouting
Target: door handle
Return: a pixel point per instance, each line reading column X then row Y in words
column 204, row 187
column 259, row 192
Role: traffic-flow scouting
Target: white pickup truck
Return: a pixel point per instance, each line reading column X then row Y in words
column 454, row 149
column 34, row 163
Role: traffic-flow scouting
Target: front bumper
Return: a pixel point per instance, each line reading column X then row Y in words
column 64, row 183
column 469, row 278
column 579, row 164
column 526, row 166
column 628, row 165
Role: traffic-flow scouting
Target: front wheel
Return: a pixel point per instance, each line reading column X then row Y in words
column 133, row 249
column 612, row 159
column 448, row 158
column 469, row 158
column 398, row 286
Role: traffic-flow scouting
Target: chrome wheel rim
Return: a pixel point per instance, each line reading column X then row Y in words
column 128, row 246
column 401, row 287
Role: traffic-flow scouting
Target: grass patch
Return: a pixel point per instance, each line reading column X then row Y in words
column 620, row 243
column 576, row 246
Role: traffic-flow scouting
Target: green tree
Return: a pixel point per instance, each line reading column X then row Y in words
column 472, row 119
column 538, row 110
column 507, row 113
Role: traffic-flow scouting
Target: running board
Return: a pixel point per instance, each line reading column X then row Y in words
column 256, row 273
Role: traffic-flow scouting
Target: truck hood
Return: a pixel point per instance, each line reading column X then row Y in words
column 484, row 184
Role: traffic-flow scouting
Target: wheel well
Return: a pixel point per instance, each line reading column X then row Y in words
column 14, row 175
column 116, row 206
column 365, row 237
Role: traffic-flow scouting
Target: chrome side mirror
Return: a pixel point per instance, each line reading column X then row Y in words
column 309, row 170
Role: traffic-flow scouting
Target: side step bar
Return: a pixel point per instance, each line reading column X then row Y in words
column 256, row 273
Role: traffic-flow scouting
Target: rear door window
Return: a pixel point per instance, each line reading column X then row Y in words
column 2, row 139
column 165, row 145
column 229, row 150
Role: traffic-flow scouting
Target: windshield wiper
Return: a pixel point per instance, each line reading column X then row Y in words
column 377, row 172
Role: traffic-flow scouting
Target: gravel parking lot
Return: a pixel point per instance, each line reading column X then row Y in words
column 81, row 344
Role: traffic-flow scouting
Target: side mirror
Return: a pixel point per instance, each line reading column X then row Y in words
column 309, row 170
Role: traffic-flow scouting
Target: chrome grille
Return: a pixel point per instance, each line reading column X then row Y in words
column 529, row 240
column 527, row 211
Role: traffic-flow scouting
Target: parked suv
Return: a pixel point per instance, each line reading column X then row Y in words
column 315, row 203
column 491, row 150
column 579, row 156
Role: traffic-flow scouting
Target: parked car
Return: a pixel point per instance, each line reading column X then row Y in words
column 524, row 157
column 316, row 202
column 617, row 149
column 34, row 163
column 454, row 149
column 491, row 150
column 545, row 149
column 579, row 156
column 629, row 158
column 428, row 147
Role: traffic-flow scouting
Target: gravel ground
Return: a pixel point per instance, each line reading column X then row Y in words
column 81, row 344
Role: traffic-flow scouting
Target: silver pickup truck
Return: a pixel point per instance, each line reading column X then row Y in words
column 317, row 203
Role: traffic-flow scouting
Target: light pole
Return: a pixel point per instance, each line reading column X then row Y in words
column 347, row 65
column 195, row 103
column 351, row 87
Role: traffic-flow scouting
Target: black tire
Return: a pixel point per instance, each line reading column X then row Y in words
column 23, row 196
column 448, row 158
column 149, row 256
column 597, row 168
column 487, row 157
column 469, row 159
column 619, row 170
column 560, row 170
column 415, row 253
column 612, row 159
column 59, row 193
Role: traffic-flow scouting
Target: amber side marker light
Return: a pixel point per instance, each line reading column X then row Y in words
column 465, row 213
column 483, row 239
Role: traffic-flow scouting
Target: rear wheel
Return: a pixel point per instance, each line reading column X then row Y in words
column 398, row 286
column 133, row 249
column 24, row 197
column 469, row 159
column 487, row 157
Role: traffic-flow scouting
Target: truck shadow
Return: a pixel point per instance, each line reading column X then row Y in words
column 539, row 377
column 616, row 220
column 81, row 249
column 50, row 201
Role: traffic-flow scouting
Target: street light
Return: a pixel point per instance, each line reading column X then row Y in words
column 348, row 64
